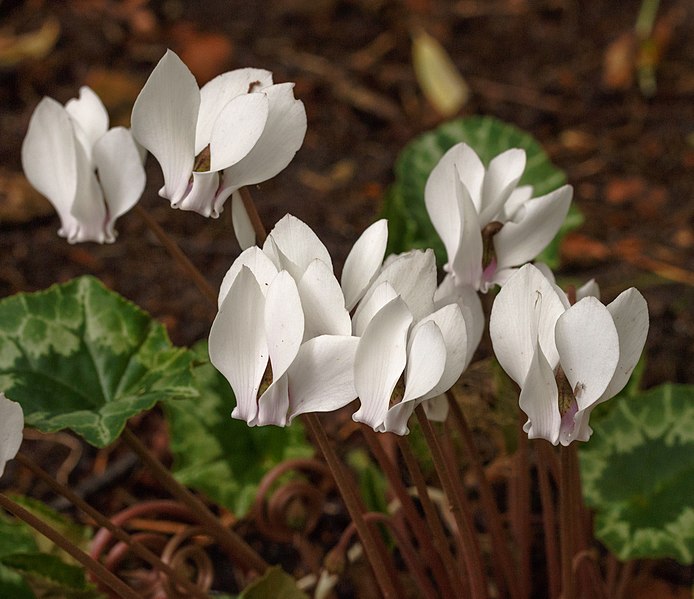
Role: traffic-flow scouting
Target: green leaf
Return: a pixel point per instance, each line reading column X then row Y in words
column 77, row 534
column 638, row 474
column 372, row 482
column 219, row 456
column 15, row 537
column 274, row 583
column 408, row 221
column 49, row 576
column 79, row 356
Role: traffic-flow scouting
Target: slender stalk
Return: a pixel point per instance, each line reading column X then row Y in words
column 567, row 529
column 521, row 511
column 493, row 517
column 427, row 550
column 98, row 570
column 233, row 543
column 456, row 498
column 376, row 553
column 549, row 519
column 138, row 549
column 432, row 516
column 249, row 205
column 191, row 270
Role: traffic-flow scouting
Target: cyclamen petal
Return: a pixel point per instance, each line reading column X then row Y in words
column 11, row 427
column 61, row 154
column 243, row 227
column 238, row 347
column 363, row 262
column 239, row 129
column 380, row 360
column 322, row 302
column 596, row 349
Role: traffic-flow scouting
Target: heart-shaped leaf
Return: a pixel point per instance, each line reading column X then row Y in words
column 79, row 356
column 638, row 474
column 408, row 221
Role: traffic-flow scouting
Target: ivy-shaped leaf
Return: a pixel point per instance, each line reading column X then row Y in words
column 408, row 221
column 15, row 537
column 222, row 457
column 79, row 356
column 638, row 474
column 49, row 576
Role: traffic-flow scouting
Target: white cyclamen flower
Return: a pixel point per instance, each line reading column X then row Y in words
column 282, row 305
column 238, row 129
column 11, row 426
column 566, row 359
column 90, row 173
column 403, row 331
column 488, row 225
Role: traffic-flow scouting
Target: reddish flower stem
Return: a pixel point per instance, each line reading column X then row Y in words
column 98, row 570
column 431, row 515
column 567, row 523
column 374, row 547
column 521, row 509
column 233, row 543
column 460, row 509
column 138, row 549
column 428, row 553
column 493, row 517
column 191, row 270
column 549, row 519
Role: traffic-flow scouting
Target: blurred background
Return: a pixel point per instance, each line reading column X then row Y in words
column 606, row 87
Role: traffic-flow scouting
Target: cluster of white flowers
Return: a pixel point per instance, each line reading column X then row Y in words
column 288, row 336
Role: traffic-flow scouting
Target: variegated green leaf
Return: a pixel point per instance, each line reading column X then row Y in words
column 638, row 474
column 79, row 356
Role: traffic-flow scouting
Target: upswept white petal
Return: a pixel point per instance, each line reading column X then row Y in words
column 539, row 399
column 441, row 199
column 322, row 302
column 371, row 305
column 519, row 242
column 413, row 276
column 470, row 170
column 11, row 427
column 363, row 262
column 237, row 129
column 588, row 347
column 200, row 195
column 284, row 322
column 164, row 120
column 436, row 408
column 243, row 227
column 237, row 345
column 453, row 327
column 88, row 207
column 273, row 404
column 525, row 312
column 282, row 137
column 280, row 259
column 470, row 305
column 89, row 114
column 630, row 315
column 49, row 158
column 257, row 262
column 501, row 178
column 466, row 264
column 121, row 174
column 297, row 242
column 321, row 378
column 380, row 360
column 426, row 360
column 216, row 93
column 513, row 208
column 589, row 289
